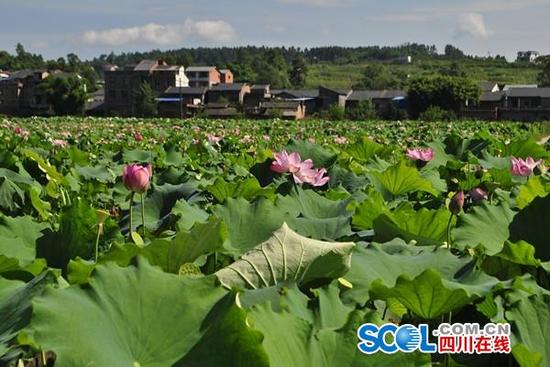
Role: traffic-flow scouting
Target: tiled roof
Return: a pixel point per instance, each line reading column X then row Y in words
column 529, row 92
column 185, row 90
column 199, row 68
column 365, row 95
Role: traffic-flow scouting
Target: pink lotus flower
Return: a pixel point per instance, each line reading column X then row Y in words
column 319, row 179
column 420, row 154
column 302, row 171
column 457, row 202
column 524, row 167
column 478, row 194
column 136, row 177
column 247, row 139
column 341, row 140
column 22, row 132
column 213, row 139
column 59, row 143
column 285, row 162
column 138, row 137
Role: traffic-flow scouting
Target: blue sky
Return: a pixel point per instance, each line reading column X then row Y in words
column 89, row 28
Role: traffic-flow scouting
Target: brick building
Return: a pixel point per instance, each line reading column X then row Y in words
column 122, row 85
column 20, row 93
column 203, row 76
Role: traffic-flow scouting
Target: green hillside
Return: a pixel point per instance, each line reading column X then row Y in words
column 346, row 75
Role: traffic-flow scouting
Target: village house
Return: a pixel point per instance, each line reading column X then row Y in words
column 220, row 110
column 527, row 56
column 380, row 99
column 181, row 101
column 20, row 93
column 329, row 97
column 489, row 87
column 205, row 76
column 288, row 110
column 226, row 76
column 258, row 94
column 491, row 100
column 308, row 97
column 233, row 94
column 524, row 98
column 122, row 85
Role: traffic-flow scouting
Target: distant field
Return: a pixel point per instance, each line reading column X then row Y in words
column 344, row 76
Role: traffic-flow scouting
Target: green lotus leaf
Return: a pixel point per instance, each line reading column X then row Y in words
column 287, row 256
column 401, row 179
column 531, row 318
column 429, row 295
column 532, row 189
column 314, row 215
column 249, row 224
column 321, row 157
column 485, row 226
column 386, row 262
column 15, row 305
column 18, row 238
column 171, row 254
column 531, row 225
column 135, row 316
column 426, row 226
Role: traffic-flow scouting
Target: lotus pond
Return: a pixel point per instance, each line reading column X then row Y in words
column 224, row 257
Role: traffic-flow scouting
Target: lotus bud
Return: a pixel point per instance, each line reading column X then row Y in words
column 136, row 177
column 478, row 194
column 457, row 203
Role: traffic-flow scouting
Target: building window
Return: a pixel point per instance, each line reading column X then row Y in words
column 112, row 94
column 124, row 94
column 203, row 74
column 1, row 101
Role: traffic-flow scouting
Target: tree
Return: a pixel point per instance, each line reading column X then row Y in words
column 453, row 52
column 66, row 95
column 543, row 78
column 91, row 78
column 454, row 69
column 73, row 63
column 146, row 103
column 243, row 72
column 298, row 72
column 449, row 93
column 364, row 110
column 377, row 76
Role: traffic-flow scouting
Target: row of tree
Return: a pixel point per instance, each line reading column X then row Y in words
column 279, row 66
column 72, row 64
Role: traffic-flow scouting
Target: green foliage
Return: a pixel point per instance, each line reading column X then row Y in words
column 543, row 78
column 364, row 110
column 66, row 95
column 298, row 72
column 121, row 312
column 238, row 259
column 335, row 112
column 378, row 77
column 436, row 113
column 449, row 93
column 146, row 104
column 287, row 257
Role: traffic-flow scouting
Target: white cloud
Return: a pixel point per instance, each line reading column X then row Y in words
column 473, row 25
column 167, row 34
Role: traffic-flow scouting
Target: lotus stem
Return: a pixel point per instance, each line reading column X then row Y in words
column 143, row 214
column 131, row 221
column 99, row 227
column 449, row 231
